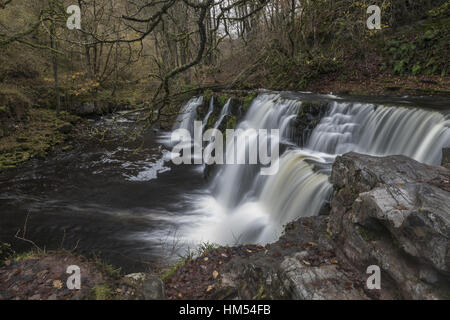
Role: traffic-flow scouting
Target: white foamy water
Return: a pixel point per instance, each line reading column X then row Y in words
column 244, row 207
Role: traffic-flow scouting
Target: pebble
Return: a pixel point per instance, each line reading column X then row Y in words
column 35, row 297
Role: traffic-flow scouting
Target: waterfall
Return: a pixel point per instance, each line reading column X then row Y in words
column 188, row 114
column 381, row 130
column 234, row 182
column 225, row 111
column 210, row 111
column 245, row 207
column 185, row 120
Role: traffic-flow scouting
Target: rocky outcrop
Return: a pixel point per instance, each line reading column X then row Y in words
column 394, row 212
column 302, row 265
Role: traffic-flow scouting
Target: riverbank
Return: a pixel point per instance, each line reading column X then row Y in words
column 38, row 133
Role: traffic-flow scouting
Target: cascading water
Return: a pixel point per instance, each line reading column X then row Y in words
column 234, row 182
column 225, row 111
column 380, row 130
column 246, row 207
column 185, row 120
column 210, row 111
column 188, row 113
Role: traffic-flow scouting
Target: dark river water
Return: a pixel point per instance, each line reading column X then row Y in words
column 122, row 203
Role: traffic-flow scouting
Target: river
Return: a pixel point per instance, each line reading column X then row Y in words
column 125, row 200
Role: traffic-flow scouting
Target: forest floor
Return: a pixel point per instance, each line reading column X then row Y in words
column 38, row 275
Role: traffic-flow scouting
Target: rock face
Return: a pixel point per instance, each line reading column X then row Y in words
column 446, row 157
column 302, row 264
column 308, row 118
column 394, row 212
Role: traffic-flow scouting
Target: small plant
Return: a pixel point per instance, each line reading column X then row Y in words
column 102, row 292
column 416, row 69
column 109, row 269
column 204, row 247
column 223, row 99
column 6, row 252
column 172, row 270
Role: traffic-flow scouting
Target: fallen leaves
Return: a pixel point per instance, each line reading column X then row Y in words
column 215, row 274
column 334, row 261
column 399, row 207
column 57, row 284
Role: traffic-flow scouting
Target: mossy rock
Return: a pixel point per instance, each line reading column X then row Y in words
column 366, row 234
column 248, row 101
column 223, row 99
column 207, row 95
column 231, row 122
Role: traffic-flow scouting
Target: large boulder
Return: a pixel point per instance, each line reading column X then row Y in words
column 394, row 212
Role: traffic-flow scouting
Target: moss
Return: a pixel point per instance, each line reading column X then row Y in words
column 172, row 270
column 211, row 121
column 223, row 99
column 107, row 268
column 260, row 294
column 35, row 138
column 248, row 101
column 4, row 110
column 231, row 122
column 26, row 255
column 102, row 292
column 207, row 94
column 367, row 234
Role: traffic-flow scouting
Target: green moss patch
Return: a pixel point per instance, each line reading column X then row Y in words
column 36, row 137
